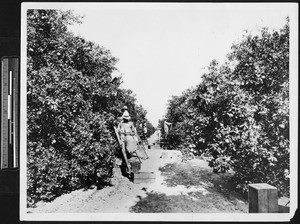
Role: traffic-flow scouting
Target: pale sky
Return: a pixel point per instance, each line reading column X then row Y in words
column 163, row 49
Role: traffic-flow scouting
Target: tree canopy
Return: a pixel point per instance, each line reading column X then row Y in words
column 238, row 116
column 72, row 103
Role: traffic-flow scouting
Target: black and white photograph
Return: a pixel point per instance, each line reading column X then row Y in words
column 153, row 111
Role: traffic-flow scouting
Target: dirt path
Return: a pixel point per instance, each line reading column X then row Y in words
column 119, row 197
column 177, row 188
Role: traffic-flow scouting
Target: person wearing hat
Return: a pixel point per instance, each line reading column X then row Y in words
column 167, row 125
column 120, row 119
column 128, row 135
column 145, row 130
column 158, row 131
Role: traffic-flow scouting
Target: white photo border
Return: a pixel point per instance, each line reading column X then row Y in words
column 24, row 216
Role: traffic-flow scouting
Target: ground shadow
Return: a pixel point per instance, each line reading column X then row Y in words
column 184, row 174
column 219, row 195
column 193, row 202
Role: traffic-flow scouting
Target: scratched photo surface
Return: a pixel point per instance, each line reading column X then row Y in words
column 154, row 111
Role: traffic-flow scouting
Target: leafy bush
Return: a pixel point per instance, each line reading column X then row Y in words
column 72, row 102
column 238, row 115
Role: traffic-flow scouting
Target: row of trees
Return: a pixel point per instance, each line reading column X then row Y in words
column 238, row 116
column 72, row 103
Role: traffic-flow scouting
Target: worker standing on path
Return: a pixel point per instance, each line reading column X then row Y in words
column 128, row 137
column 158, row 134
column 167, row 126
column 145, row 130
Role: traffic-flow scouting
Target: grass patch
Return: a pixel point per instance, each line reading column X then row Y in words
column 194, row 202
column 217, row 195
column 184, row 174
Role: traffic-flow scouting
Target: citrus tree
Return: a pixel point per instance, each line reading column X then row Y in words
column 72, row 103
column 238, row 116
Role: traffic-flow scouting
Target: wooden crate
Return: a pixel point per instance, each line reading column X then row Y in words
column 263, row 198
column 143, row 177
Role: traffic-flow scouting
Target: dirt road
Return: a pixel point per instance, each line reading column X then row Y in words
column 119, row 197
column 178, row 187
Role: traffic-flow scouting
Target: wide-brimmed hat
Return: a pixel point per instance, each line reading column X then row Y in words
column 125, row 108
column 126, row 115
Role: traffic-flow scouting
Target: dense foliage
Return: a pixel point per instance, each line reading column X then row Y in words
column 238, row 116
column 72, row 103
